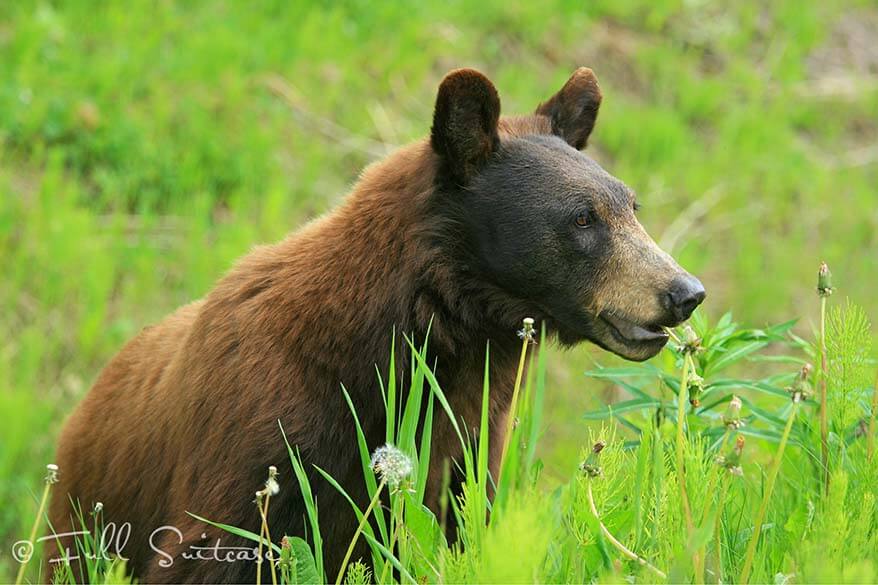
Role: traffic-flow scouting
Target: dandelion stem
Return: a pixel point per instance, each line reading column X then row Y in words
column 824, row 422
column 262, row 515
column 510, row 420
column 347, row 556
column 763, row 507
column 622, row 548
column 263, row 511
column 263, row 499
column 393, row 538
column 259, row 548
column 38, row 521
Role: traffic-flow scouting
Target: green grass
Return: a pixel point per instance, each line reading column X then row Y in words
column 145, row 145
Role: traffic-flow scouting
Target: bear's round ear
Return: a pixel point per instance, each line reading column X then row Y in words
column 574, row 109
column 465, row 122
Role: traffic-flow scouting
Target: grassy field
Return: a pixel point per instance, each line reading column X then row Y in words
column 145, row 145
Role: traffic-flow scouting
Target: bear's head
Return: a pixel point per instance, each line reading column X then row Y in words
column 545, row 224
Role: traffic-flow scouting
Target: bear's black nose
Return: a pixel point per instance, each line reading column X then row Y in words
column 685, row 295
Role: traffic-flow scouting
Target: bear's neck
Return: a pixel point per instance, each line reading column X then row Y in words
column 377, row 265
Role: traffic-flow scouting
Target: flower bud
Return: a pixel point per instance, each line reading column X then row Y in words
column 695, row 388
column 731, row 461
column 286, row 562
column 800, row 389
column 591, row 466
column 732, row 416
column 824, row 280
column 691, row 343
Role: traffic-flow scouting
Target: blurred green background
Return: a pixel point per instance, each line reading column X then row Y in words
column 144, row 145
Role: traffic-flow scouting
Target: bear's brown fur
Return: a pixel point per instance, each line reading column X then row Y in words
column 185, row 417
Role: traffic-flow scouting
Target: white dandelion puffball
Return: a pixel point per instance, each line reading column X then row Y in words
column 272, row 488
column 391, row 464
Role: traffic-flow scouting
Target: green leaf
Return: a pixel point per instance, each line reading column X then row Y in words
column 252, row 536
column 621, row 407
column 644, row 371
column 306, row 566
column 308, row 498
column 366, row 464
column 427, row 534
column 734, row 355
column 424, row 452
column 437, row 390
column 762, row 386
column 390, row 404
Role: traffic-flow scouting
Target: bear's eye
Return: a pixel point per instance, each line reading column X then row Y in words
column 582, row 220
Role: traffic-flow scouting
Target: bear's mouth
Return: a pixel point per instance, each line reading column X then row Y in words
column 631, row 332
column 630, row 340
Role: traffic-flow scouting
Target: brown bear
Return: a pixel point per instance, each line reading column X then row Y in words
column 488, row 221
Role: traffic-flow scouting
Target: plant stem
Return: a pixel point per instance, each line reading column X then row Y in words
column 681, row 417
column 760, row 515
column 393, row 537
column 718, row 527
column 622, row 548
column 33, row 531
column 263, row 511
column 824, row 422
column 714, row 478
column 510, row 418
column 702, row 551
column 259, row 549
column 681, row 465
column 347, row 556
column 870, row 439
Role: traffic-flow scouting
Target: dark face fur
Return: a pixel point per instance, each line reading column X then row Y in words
column 549, row 226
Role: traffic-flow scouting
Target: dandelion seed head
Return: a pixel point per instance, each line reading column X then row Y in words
column 51, row 473
column 527, row 332
column 392, row 465
column 272, row 487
